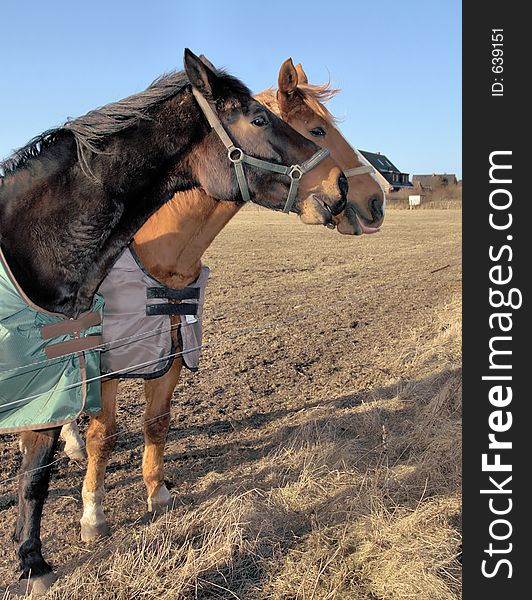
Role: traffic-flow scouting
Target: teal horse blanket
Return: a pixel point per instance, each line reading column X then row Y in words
column 49, row 364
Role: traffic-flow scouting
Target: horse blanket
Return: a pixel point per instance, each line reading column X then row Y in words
column 49, row 364
column 137, row 328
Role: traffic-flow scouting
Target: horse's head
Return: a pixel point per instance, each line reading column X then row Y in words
column 242, row 130
column 301, row 106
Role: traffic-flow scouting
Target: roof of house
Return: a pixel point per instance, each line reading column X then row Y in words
column 381, row 162
column 386, row 168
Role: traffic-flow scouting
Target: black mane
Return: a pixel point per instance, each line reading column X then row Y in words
column 92, row 130
column 31, row 150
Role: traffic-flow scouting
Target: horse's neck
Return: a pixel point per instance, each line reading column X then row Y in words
column 221, row 214
column 75, row 228
column 171, row 243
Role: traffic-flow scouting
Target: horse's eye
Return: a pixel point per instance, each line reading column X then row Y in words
column 259, row 121
column 318, row 132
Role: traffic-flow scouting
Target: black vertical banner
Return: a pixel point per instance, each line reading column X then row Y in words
column 497, row 254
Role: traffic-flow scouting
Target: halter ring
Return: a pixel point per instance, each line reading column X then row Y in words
column 238, row 151
column 295, row 172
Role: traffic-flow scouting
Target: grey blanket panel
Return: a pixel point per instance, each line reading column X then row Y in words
column 147, row 337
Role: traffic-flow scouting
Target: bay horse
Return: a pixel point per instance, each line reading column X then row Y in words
column 72, row 199
column 170, row 246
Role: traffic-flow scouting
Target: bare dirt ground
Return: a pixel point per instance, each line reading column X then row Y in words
column 316, row 456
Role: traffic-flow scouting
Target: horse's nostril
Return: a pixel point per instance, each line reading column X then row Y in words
column 341, row 205
column 343, row 185
column 376, row 205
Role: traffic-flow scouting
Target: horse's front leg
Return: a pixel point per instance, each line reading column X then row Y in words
column 74, row 447
column 38, row 449
column 156, row 423
column 101, row 436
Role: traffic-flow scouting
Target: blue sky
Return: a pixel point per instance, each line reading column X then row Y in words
column 398, row 63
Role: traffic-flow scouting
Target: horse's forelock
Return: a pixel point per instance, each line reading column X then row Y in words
column 269, row 99
column 313, row 95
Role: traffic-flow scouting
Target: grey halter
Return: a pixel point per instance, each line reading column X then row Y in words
column 237, row 156
column 358, row 171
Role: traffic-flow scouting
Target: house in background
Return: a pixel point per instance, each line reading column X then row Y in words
column 387, row 173
column 431, row 182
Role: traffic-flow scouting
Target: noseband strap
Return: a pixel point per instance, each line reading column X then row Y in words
column 237, row 156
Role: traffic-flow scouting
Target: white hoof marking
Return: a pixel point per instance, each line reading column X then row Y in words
column 93, row 522
column 160, row 500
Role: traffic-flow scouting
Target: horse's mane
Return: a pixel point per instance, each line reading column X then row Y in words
column 31, row 150
column 313, row 95
column 93, row 129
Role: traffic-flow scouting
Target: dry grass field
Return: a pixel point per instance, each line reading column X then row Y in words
column 316, row 455
column 444, row 197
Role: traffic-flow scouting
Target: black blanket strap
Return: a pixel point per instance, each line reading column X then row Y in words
column 172, row 309
column 187, row 293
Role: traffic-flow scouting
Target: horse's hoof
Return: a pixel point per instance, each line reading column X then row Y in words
column 159, row 509
column 161, row 501
column 91, row 533
column 75, row 453
column 38, row 586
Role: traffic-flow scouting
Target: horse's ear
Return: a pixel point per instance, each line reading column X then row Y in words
column 207, row 62
column 287, row 77
column 201, row 76
column 287, row 85
column 301, row 75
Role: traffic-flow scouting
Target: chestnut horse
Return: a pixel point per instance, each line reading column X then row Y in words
column 170, row 246
column 79, row 193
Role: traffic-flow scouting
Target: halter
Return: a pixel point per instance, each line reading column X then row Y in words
column 237, row 156
column 358, row 171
